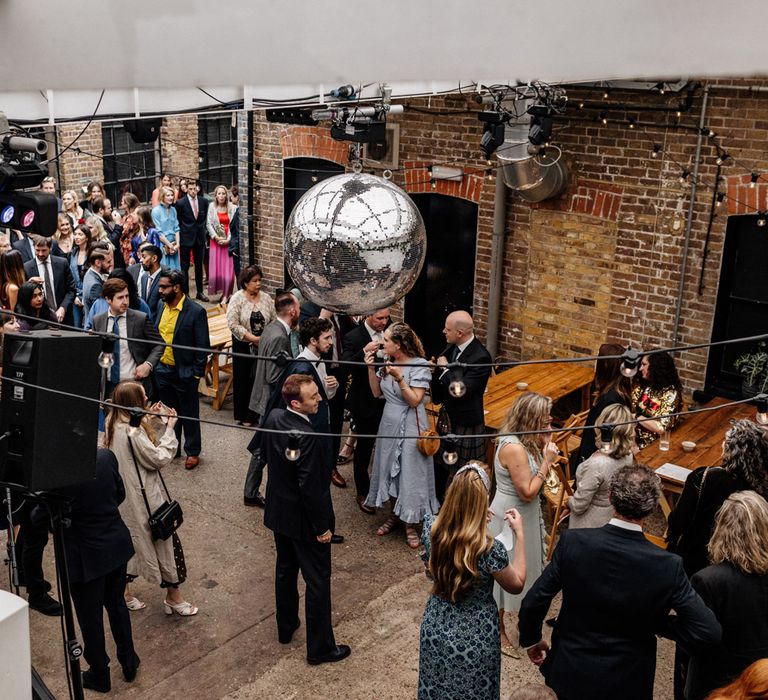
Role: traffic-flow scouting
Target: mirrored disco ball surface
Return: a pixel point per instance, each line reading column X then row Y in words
column 355, row 243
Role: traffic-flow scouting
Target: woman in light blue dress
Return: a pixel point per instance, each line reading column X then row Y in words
column 402, row 476
column 167, row 222
column 521, row 467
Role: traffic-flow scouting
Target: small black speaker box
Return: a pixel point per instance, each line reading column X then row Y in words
column 52, row 439
column 143, row 130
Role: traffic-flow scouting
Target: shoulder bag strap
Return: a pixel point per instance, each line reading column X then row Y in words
column 141, row 483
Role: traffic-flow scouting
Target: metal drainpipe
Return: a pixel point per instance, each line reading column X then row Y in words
column 497, row 266
column 251, row 190
column 689, row 222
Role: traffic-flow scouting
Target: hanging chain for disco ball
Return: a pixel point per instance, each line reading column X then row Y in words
column 355, row 243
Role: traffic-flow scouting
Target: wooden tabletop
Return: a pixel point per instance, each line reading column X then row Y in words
column 706, row 429
column 218, row 331
column 555, row 380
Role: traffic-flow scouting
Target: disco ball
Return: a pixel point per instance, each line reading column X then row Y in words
column 355, row 243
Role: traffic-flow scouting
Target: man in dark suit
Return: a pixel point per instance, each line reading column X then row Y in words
column 146, row 274
column 464, row 410
column 100, row 262
column 134, row 361
column 97, row 546
column 618, row 590
column 365, row 407
column 192, row 211
column 102, row 210
column 26, row 246
column 299, row 512
column 275, row 339
column 182, row 322
column 55, row 276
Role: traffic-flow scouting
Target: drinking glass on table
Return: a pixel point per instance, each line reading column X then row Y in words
column 664, row 441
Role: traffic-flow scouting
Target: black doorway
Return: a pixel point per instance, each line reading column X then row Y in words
column 742, row 301
column 300, row 175
column 446, row 282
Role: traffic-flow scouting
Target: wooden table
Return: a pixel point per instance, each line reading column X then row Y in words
column 707, row 430
column 555, row 380
column 220, row 338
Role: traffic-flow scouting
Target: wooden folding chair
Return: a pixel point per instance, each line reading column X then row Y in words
column 568, row 438
column 556, row 488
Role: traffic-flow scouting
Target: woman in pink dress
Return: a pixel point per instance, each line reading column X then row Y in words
column 221, row 274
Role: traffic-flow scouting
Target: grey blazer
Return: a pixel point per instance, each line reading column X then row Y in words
column 589, row 505
column 274, row 339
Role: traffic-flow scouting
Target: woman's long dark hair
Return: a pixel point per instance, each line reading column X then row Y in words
column 12, row 268
column 608, row 374
column 662, row 372
column 24, row 306
column 133, row 291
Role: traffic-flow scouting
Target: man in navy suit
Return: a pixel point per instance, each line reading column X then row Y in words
column 181, row 321
column 618, row 590
column 192, row 211
column 26, row 246
column 146, row 274
column 55, row 276
column 299, row 512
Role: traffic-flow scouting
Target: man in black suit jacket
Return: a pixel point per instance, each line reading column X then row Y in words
column 134, row 361
column 97, row 546
column 182, row 322
column 146, row 274
column 192, row 211
column 299, row 512
column 102, row 210
column 365, row 407
column 26, row 246
column 465, row 411
column 618, row 590
column 55, row 276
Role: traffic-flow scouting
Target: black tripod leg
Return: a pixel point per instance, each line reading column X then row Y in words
column 12, row 544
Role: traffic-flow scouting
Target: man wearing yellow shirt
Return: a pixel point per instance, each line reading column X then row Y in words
column 182, row 321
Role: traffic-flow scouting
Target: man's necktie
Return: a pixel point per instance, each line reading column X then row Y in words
column 337, row 350
column 114, row 375
column 194, row 207
column 454, row 354
column 144, row 286
column 295, row 344
column 49, row 298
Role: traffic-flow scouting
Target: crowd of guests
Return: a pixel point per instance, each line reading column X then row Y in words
column 481, row 530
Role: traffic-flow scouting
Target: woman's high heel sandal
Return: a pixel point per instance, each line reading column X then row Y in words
column 184, row 609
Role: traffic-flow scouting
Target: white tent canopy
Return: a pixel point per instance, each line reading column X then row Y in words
column 152, row 56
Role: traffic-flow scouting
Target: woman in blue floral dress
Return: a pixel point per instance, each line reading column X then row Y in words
column 459, row 650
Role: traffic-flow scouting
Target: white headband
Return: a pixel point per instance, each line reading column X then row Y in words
column 480, row 471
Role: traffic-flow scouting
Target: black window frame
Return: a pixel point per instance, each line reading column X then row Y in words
column 122, row 158
column 217, row 150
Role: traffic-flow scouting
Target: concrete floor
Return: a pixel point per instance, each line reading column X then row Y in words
column 230, row 650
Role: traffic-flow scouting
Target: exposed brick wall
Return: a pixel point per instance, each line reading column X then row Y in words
column 77, row 169
column 179, row 147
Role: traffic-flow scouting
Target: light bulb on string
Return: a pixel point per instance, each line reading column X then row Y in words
column 603, row 118
column 581, row 105
column 761, row 401
column 630, row 361
column 656, row 150
column 489, row 175
column 106, row 357
column 661, row 88
column 293, row 451
column 761, row 219
column 314, row 176
column 106, row 360
column 632, row 122
column 684, row 175
column 720, row 198
column 256, row 169
column 450, row 451
column 606, row 436
column 606, row 93
column 753, row 178
column 722, row 157
column 457, row 388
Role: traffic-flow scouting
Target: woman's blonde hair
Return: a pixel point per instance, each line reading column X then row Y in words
column 98, row 232
column 750, row 685
column 126, row 395
column 164, row 190
column 74, row 198
column 623, row 436
column 226, row 195
column 741, row 533
column 62, row 218
column 529, row 412
column 460, row 536
column 406, row 338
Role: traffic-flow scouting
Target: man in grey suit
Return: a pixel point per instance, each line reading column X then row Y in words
column 276, row 338
column 133, row 361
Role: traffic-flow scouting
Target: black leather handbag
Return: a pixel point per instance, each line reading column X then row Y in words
column 167, row 517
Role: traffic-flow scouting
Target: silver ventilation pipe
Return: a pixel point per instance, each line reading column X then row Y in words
column 532, row 175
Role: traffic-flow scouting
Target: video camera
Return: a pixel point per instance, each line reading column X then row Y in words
column 20, row 170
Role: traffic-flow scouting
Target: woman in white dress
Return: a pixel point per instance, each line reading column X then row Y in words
column 521, row 467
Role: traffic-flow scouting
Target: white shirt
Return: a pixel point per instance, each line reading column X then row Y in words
column 127, row 364
column 463, row 347
column 378, row 336
column 307, row 354
column 625, row 525
column 41, row 271
column 303, row 415
column 150, row 281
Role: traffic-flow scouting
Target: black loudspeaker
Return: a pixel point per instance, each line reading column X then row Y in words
column 52, row 440
column 143, row 130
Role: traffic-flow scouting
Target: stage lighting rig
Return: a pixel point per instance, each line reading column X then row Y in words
column 20, row 169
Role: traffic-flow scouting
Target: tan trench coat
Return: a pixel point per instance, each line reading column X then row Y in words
column 153, row 561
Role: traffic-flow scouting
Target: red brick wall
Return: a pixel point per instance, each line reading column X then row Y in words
column 179, row 147
column 77, row 169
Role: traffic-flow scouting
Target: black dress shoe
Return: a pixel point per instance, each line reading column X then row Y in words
column 255, row 502
column 337, row 539
column 97, row 680
column 202, row 297
column 342, row 651
column 43, row 603
column 286, row 638
column 130, row 670
column 46, row 584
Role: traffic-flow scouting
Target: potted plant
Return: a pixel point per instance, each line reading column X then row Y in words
column 753, row 367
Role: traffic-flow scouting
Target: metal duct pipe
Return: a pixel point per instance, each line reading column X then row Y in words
column 534, row 178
